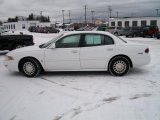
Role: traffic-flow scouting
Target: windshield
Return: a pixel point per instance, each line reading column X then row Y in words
column 50, row 42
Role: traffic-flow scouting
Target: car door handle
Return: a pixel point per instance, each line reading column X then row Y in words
column 110, row 49
column 74, row 51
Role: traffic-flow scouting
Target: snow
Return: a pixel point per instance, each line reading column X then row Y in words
column 83, row 95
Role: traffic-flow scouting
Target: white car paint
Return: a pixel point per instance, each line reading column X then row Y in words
column 82, row 58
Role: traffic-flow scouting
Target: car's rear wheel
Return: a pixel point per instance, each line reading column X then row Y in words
column 134, row 35
column 152, row 36
column 30, row 67
column 119, row 66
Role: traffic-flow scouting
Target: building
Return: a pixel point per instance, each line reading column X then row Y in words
column 24, row 25
column 139, row 21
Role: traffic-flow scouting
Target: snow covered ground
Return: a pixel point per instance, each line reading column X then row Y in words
column 83, row 95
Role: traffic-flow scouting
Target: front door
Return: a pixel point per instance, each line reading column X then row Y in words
column 65, row 56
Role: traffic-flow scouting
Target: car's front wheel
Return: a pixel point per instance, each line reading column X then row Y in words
column 30, row 67
column 119, row 66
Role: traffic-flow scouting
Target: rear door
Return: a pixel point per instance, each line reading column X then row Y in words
column 96, row 51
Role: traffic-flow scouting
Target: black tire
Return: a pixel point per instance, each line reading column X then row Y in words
column 116, row 34
column 152, row 36
column 119, row 66
column 33, row 70
column 18, row 45
column 134, row 35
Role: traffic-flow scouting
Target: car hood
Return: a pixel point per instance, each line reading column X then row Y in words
column 26, row 49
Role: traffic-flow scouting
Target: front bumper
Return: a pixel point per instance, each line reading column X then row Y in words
column 11, row 65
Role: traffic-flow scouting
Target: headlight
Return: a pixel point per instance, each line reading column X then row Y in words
column 8, row 58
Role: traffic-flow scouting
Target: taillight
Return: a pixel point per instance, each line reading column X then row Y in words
column 146, row 50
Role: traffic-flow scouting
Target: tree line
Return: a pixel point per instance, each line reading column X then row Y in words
column 30, row 18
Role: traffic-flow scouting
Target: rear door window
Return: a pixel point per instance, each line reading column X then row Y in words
column 97, row 40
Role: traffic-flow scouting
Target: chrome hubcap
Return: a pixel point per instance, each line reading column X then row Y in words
column 29, row 68
column 119, row 66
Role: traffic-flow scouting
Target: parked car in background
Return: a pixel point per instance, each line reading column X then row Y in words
column 80, row 29
column 116, row 30
column 150, row 31
column 79, row 51
column 102, row 28
column 2, row 30
column 51, row 30
column 10, row 42
column 157, row 35
column 32, row 29
column 43, row 29
column 133, row 31
column 69, row 29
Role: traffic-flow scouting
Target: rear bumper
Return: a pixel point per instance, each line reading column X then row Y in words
column 141, row 60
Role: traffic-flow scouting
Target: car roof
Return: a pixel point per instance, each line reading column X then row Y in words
column 84, row 32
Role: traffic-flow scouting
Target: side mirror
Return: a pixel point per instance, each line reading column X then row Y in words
column 53, row 46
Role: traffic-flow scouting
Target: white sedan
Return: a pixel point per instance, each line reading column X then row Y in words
column 79, row 51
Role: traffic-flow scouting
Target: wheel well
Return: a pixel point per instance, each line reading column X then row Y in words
column 16, row 44
column 131, row 64
column 30, row 58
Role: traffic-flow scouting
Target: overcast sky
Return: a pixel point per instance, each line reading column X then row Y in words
column 53, row 8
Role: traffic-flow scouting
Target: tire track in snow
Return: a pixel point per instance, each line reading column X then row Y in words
column 85, row 107
column 63, row 85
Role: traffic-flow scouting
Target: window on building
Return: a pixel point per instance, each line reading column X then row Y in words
column 112, row 23
column 9, row 27
column 143, row 23
column 23, row 26
column 126, row 23
column 153, row 22
column 134, row 23
column 120, row 23
column 14, row 26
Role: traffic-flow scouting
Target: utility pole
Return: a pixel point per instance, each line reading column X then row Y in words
column 80, row 20
column 63, row 16
column 41, row 12
column 69, row 16
column 117, row 14
column 85, row 13
column 157, row 11
column 92, row 17
column 110, row 11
